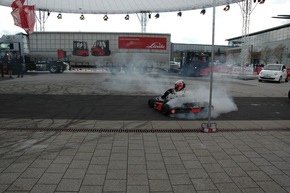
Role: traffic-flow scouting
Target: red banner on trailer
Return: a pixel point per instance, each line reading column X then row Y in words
column 151, row 43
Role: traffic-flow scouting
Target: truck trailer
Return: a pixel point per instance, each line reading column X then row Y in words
column 96, row 49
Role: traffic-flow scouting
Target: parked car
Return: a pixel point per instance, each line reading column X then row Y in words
column 273, row 72
column 289, row 94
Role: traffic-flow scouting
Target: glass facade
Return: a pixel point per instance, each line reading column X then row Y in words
column 274, row 40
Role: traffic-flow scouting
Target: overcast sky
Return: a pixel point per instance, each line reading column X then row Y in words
column 191, row 28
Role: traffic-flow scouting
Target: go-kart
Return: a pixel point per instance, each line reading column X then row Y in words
column 179, row 106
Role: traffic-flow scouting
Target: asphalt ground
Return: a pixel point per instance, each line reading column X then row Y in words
column 123, row 107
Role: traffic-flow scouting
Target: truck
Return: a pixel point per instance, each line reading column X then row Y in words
column 110, row 50
column 20, row 43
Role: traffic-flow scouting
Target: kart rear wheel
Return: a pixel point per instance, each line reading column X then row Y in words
column 151, row 103
column 165, row 109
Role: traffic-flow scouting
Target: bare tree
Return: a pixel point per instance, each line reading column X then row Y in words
column 266, row 54
column 278, row 52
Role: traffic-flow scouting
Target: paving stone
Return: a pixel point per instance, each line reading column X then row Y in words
column 100, row 160
column 118, row 157
column 91, row 189
column 102, row 153
column 271, row 170
column 50, row 178
column 8, row 178
column 3, row 187
column 80, row 164
column 188, row 157
column 75, row 173
column 283, row 180
column 69, row 185
column 157, row 174
column 155, row 165
column 172, row 160
column 117, row 165
column 197, row 173
column 220, row 177
column 136, row 153
column 258, row 176
column 43, row 188
column 116, row 175
column 63, row 159
column 22, row 184
column 175, row 169
column 17, row 167
column 94, row 180
column 137, row 169
column 252, row 190
column 153, row 157
column 212, row 167
column 203, row 184
column 115, row 185
column 227, row 163
column 160, row 185
column 137, row 180
column 41, row 163
column 239, row 158
column 33, row 173
column 139, row 189
column 244, row 182
column 192, row 164
column 57, row 168
column 136, row 160
column 228, row 188
column 97, row 169
column 234, row 172
column 207, row 160
column 179, row 179
column 271, row 186
column 183, row 189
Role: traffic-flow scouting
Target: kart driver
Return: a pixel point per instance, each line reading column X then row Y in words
column 177, row 91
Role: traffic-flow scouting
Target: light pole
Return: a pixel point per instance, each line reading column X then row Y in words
column 209, row 126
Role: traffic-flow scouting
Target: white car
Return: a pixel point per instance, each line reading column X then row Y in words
column 273, row 72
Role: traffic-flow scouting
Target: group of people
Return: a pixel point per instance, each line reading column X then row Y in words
column 12, row 62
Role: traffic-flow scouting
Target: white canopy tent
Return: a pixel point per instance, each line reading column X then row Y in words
column 120, row 6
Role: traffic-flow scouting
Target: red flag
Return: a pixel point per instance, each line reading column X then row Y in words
column 17, row 4
column 23, row 15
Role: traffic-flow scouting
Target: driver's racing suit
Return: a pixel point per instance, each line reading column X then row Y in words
column 171, row 94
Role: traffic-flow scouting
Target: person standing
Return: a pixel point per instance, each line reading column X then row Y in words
column 2, row 66
column 19, row 65
column 7, row 60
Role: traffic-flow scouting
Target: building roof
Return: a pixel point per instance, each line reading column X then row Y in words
column 260, row 32
column 119, row 6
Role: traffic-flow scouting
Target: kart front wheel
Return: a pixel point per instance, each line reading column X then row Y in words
column 165, row 109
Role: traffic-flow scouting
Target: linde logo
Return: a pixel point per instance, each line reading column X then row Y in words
column 156, row 45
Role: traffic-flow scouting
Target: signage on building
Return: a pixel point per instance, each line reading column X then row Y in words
column 151, row 43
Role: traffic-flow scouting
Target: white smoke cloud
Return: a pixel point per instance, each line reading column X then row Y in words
column 141, row 83
column 221, row 102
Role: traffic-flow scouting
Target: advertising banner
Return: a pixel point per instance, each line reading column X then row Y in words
column 151, row 43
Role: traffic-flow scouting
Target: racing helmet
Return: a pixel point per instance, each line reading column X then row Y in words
column 179, row 85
